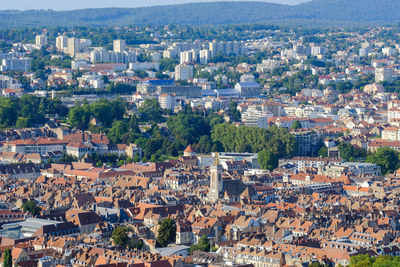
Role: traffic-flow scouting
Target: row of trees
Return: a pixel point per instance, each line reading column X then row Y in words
column 351, row 153
column 254, row 139
column 104, row 111
column 206, row 132
column 271, row 144
column 384, row 157
column 365, row 260
column 28, row 111
column 193, row 128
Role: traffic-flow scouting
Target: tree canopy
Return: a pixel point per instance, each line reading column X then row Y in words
column 365, row 260
column 233, row 112
column 28, row 111
column 188, row 128
column 325, row 12
column 386, row 158
column 254, row 139
column 166, row 232
column 31, row 207
column 7, row 258
column 202, row 245
column 120, row 236
column 267, row 160
column 103, row 110
column 150, row 111
column 351, row 153
column 296, row 125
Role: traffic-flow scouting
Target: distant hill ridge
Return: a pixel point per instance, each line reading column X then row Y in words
column 364, row 12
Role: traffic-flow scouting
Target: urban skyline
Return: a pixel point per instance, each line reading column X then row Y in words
column 200, row 135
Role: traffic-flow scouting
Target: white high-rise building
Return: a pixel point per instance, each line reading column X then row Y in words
column 225, row 48
column 119, row 46
column 257, row 116
column 8, row 82
column 364, row 51
column 383, row 75
column 155, row 57
column 62, row 42
column 267, row 65
column 167, row 101
column 318, row 50
column 183, row 72
column 205, row 55
column 170, row 53
column 188, row 56
column 73, row 46
column 41, row 40
column 103, row 56
column 16, row 64
column 247, row 78
column 388, row 51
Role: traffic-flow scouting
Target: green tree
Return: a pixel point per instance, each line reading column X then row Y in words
column 136, row 158
column 362, row 260
column 105, row 111
column 168, row 64
column 205, row 144
column 323, row 152
column 120, row 236
column 188, row 128
column 386, row 260
column 121, row 88
column 254, row 139
column 348, row 152
column 233, row 112
column 22, row 122
column 166, row 232
column 7, row 258
column 8, row 112
column 365, row 260
column 79, row 116
column 296, row 125
column 117, row 131
column 134, row 243
column 150, row 111
column 133, row 124
column 202, row 245
column 31, row 207
column 267, row 160
column 386, row 158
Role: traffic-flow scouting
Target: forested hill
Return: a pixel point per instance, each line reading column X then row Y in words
column 317, row 12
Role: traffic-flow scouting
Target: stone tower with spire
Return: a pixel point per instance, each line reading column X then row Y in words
column 215, row 180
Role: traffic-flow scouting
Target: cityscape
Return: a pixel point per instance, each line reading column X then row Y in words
column 241, row 144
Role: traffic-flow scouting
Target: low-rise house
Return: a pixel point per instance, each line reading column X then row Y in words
column 85, row 220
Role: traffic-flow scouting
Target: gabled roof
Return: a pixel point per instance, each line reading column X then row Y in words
column 189, row 149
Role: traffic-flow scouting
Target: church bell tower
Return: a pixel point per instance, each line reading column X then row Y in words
column 215, row 180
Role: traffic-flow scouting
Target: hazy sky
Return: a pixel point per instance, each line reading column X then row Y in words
column 78, row 4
